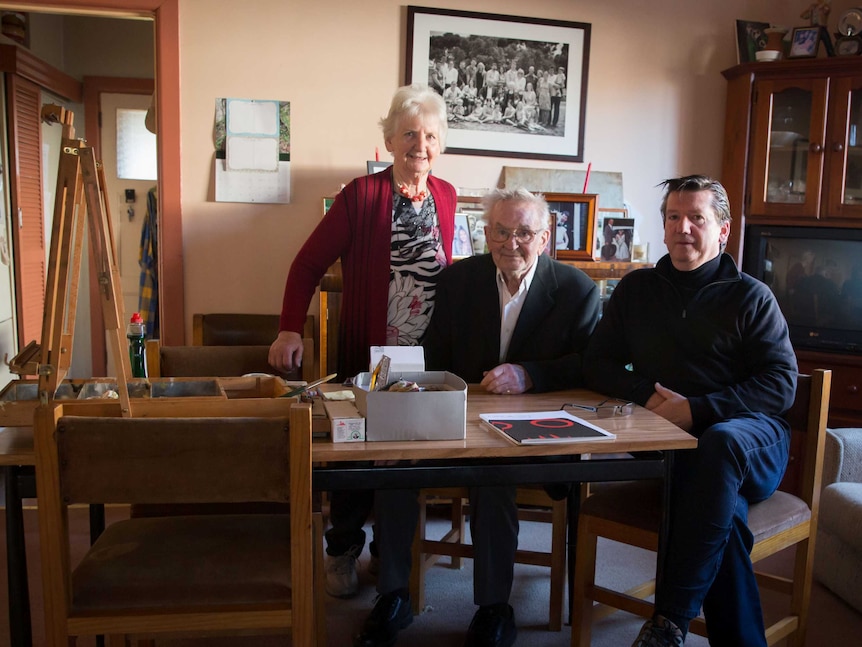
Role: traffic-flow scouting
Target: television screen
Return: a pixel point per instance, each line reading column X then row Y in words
column 816, row 275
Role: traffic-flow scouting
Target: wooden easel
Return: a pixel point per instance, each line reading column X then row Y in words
column 80, row 179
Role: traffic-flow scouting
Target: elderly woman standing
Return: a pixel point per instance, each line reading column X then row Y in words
column 393, row 232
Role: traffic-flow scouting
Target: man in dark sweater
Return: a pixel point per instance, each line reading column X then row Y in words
column 706, row 347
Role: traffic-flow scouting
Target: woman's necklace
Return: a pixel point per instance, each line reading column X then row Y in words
column 413, row 197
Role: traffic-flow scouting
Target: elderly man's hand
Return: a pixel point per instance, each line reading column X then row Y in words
column 508, row 379
column 671, row 406
column 285, row 354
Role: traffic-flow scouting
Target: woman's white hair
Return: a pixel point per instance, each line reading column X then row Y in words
column 414, row 100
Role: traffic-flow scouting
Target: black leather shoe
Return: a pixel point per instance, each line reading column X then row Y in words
column 492, row 626
column 391, row 614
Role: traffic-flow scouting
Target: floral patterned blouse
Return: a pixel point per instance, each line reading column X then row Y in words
column 416, row 258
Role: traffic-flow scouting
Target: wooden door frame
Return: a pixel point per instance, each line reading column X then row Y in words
column 165, row 14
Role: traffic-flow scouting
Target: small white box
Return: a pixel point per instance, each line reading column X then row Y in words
column 348, row 426
column 439, row 414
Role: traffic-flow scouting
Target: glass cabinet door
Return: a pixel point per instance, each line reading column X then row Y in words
column 787, row 154
column 845, row 150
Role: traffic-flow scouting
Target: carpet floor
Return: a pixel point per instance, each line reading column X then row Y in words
column 450, row 601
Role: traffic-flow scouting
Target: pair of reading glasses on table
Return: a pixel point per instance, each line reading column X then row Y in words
column 604, row 409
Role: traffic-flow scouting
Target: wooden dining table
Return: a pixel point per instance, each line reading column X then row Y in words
column 643, row 448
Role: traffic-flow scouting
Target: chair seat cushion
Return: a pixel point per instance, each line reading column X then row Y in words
column 182, row 561
column 637, row 503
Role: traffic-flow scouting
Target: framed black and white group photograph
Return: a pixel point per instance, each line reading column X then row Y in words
column 513, row 86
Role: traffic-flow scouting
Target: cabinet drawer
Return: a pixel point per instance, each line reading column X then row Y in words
column 846, row 385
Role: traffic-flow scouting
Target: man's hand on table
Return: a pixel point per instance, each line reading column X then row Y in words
column 507, row 379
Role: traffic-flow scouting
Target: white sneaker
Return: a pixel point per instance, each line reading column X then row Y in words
column 341, row 578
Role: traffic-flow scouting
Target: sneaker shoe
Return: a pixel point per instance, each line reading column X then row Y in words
column 391, row 613
column 374, row 566
column 341, row 578
column 492, row 626
column 659, row 632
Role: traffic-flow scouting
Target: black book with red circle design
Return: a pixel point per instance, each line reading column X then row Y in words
column 535, row 427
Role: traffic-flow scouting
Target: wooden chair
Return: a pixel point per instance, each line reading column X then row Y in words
column 533, row 505
column 206, row 361
column 226, row 361
column 181, row 574
column 233, row 329
column 248, row 330
column 629, row 513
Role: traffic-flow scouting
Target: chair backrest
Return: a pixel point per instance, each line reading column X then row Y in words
column 172, row 451
column 173, row 460
column 234, row 329
column 207, row 361
column 807, row 418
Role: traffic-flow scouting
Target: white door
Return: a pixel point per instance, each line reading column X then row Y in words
column 127, row 212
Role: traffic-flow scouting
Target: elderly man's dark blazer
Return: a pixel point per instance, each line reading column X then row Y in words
column 559, row 314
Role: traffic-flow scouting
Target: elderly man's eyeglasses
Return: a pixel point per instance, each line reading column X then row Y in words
column 521, row 235
column 604, row 409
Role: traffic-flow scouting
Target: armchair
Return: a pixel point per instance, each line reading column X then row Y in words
column 838, row 557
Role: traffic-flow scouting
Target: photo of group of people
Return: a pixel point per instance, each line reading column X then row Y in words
column 614, row 242
column 499, row 84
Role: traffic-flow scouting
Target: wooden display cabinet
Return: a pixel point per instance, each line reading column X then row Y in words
column 792, row 152
column 793, row 156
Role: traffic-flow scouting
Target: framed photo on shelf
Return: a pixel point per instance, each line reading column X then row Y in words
column 804, row 42
column 750, row 39
column 575, row 222
column 374, row 166
column 604, row 214
column 440, row 40
column 551, row 247
column 617, row 237
column 462, row 244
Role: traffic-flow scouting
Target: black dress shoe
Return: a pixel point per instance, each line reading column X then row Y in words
column 492, row 626
column 391, row 614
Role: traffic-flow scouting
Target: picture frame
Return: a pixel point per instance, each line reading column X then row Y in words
column 804, row 42
column 551, row 247
column 575, row 223
column 462, row 244
column 603, row 213
column 375, row 166
column 436, row 36
column 615, row 233
column 750, row 39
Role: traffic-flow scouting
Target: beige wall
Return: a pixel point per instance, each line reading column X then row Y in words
column 655, row 109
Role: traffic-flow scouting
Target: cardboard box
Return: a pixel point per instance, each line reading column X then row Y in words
column 425, row 415
column 348, row 426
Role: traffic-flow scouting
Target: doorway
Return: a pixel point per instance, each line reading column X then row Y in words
column 162, row 17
